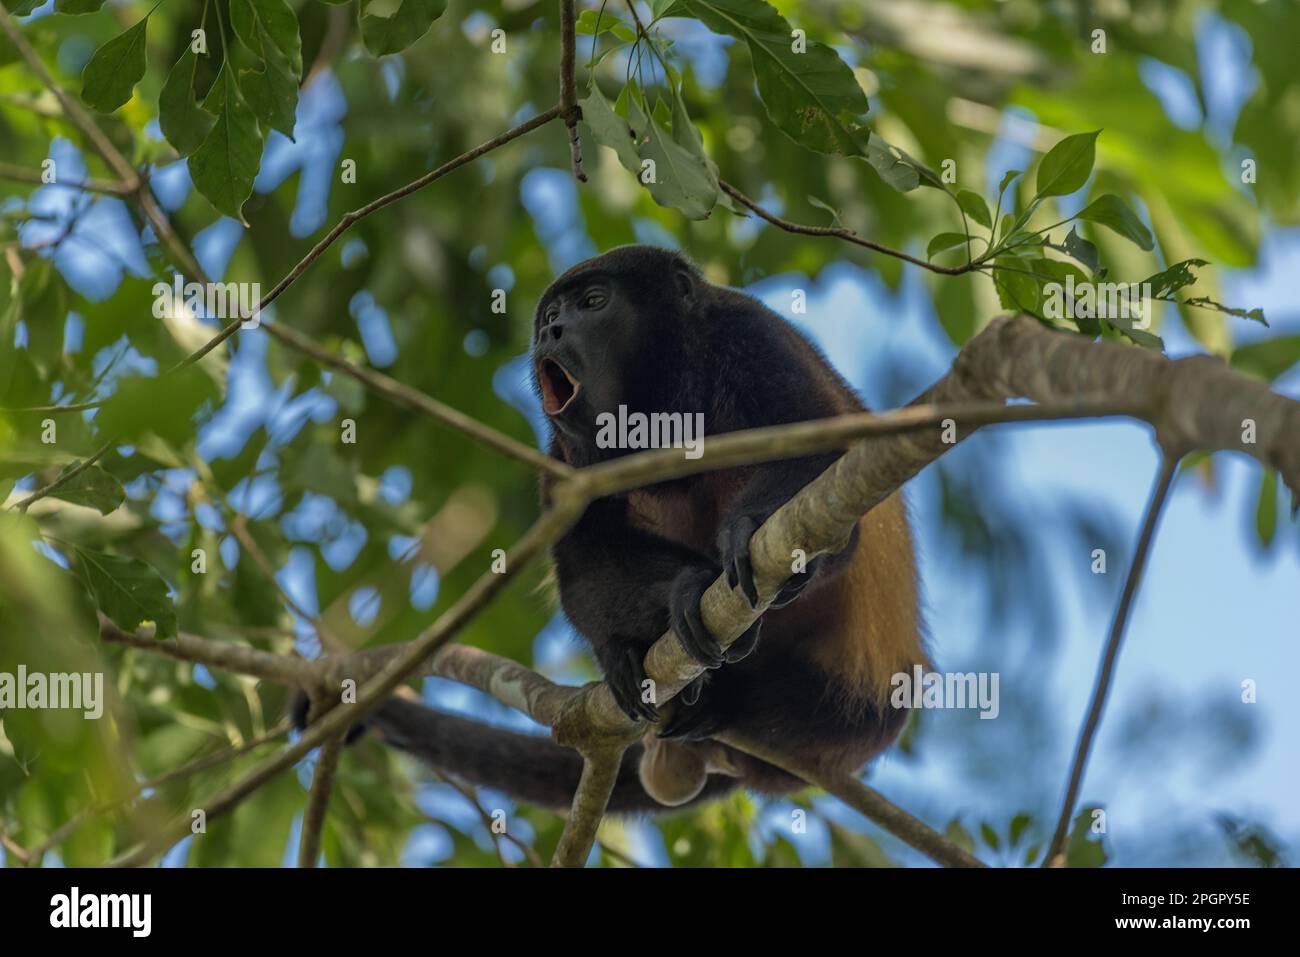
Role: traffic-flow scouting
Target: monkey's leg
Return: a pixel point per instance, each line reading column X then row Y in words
column 617, row 585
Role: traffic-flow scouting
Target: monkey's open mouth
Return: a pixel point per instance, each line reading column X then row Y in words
column 559, row 387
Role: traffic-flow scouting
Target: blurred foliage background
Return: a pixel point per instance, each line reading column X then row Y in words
column 378, row 536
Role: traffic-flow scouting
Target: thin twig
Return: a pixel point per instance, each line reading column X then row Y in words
column 318, row 801
column 23, row 175
column 1055, row 856
column 66, row 829
column 63, row 479
column 569, row 108
column 868, row 801
column 541, row 535
column 356, row 215
column 841, row 232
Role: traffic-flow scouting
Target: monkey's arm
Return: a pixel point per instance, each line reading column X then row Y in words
column 622, row 587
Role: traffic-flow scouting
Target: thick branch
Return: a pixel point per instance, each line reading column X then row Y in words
column 295, row 672
column 599, row 771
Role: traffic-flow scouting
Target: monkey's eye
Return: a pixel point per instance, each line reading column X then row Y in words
column 594, row 300
column 550, row 315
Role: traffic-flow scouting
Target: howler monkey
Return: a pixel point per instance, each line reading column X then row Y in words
column 640, row 327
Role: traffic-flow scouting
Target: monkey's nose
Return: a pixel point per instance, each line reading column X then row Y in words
column 556, row 329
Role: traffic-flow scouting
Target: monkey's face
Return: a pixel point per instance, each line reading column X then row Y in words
column 584, row 349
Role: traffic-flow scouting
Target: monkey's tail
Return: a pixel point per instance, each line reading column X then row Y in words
column 530, row 768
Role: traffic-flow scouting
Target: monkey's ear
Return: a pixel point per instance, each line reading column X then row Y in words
column 687, row 283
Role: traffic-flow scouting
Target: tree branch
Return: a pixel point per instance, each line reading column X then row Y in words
column 23, row 175
column 63, row 479
column 569, row 108
column 318, row 801
column 841, row 232
column 1055, row 856
column 599, row 771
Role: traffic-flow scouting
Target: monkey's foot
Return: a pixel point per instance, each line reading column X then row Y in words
column 691, row 722
column 625, row 675
column 797, row 582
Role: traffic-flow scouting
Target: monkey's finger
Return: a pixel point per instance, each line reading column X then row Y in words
column 695, row 638
column 745, row 573
column 691, row 693
column 743, row 646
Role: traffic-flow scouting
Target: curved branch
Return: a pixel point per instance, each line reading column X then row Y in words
column 1055, row 856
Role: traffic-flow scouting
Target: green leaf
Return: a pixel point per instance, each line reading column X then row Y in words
column 1174, row 278
column 897, row 168
column 224, row 166
column 944, row 241
column 990, row 836
column 610, row 129
column 1266, row 508
column 596, row 22
column 822, row 204
column 813, row 96
column 183, row 121
column 1112, row 212
column 1268, row 359
column 114, row 70
column 93, row 487
column 1082, row 250
column 163, row 406
column 128, row 591
column 269, row 29
column 1081, row 850
column 1007, row 177
column 1066, row 166
column 392, row 34
column 973, row 205
column 1205, row 302
column 684, row 179
column 78, row 6
column 1018, row 825
column 20, row 8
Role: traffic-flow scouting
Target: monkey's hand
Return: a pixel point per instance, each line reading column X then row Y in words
column 686, row 620
column 733, row 546
column 623, row 665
